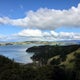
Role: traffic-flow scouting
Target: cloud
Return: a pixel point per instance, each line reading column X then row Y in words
column 66, row 35
column 30, row 32
column 5, row 20
column 39, row 35
column 30, row 35
column 35, row 24
column 2, row 37
column 48, row 19
column 49, row 36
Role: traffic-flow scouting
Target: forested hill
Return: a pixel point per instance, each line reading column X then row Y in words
column 56, row 63
column 45, row 52
column 52, row 48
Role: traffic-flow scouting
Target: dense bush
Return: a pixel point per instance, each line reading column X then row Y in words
column 43, row 53
column 14, row 71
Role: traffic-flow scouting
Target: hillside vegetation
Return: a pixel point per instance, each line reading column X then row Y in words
column 49, row 63
column 46, row 53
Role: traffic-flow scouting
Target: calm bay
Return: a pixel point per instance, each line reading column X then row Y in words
column 17, row 52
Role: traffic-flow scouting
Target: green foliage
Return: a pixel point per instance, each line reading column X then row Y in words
column 10, row 70
column 10, row 74
column 55, row 61
column 14, row 71
column 44, row 53
column 77, row 61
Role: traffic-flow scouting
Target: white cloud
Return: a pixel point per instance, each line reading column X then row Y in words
column 38, row 35
column 49, row 36
column 2, row 37
column 54, row 34
column 66, row 35
column 45, row 19
column 30, row 32
column 48, row 19
column 4, row 20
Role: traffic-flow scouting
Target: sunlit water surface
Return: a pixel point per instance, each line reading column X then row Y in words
column 17, row 52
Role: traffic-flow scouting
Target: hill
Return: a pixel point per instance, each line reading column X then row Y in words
column 43, row 53
column 52, row 63
column 67, row 57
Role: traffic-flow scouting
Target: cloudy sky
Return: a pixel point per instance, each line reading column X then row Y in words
column 40, row 20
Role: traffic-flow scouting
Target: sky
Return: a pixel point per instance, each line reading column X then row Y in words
column 39, row 20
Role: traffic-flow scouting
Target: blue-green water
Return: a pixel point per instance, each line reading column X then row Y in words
column 17, row 52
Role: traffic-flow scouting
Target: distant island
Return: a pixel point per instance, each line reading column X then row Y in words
column 63, row 42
